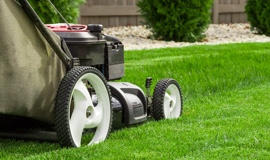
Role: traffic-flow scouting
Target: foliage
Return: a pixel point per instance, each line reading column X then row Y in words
column 68, row 8
column 258, row 12
column 179, row 20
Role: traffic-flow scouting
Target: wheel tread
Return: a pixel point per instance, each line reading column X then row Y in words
column 158, row 97
column 62, row 101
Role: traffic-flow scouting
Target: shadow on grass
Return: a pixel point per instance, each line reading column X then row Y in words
column 18, row 148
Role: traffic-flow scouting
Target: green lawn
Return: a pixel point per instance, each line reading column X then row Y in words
column 226, row 115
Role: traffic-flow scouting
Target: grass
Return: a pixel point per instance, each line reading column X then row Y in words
column 202, row 70
column 226, row 116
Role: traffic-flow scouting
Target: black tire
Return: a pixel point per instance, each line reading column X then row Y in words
column 167, row 100
column 77, row 114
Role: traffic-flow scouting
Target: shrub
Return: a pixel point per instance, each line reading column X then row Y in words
column 180, row 20
column 258, row 12
column 68, row 8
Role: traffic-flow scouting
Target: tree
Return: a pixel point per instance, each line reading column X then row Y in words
column 68, row 8
column 258, row 12
column 178, row 20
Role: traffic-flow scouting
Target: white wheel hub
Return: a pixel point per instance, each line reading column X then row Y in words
column 87, row 116
column 172, row 102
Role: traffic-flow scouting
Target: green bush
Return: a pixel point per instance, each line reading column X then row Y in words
column 258, row 14
column 68, row 8
column 180, row 20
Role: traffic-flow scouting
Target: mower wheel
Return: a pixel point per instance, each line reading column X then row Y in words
column 167, row 100
column 83, row 113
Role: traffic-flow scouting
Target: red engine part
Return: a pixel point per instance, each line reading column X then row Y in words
column 62, row 27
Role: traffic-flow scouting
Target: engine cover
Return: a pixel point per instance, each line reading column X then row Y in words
column 132, row 100
column 93, row 48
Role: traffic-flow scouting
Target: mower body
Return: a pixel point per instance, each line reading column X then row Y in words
column 31, row 71
column 106, row 53
column 59, row 77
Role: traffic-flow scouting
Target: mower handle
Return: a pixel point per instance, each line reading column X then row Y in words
column 67, row 60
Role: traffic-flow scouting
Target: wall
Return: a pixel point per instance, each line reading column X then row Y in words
column 229, row 11
column 110, row 12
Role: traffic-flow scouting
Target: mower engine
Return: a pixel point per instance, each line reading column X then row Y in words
column 106, row 53
column 93, row 48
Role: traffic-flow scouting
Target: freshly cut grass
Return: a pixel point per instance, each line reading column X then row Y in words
column 202, row 70
column 226, row 109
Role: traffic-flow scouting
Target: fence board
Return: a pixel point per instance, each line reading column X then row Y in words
column 109, row 11
column 229, row 11
column 231, row 8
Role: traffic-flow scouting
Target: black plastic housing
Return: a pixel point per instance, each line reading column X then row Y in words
column 132, row 100
column 85, row 46
column 114, row 60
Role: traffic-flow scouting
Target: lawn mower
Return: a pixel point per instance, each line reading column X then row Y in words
column 58, row 81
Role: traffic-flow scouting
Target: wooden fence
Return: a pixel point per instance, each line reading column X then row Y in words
column 112, row 13
column 229, row 11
